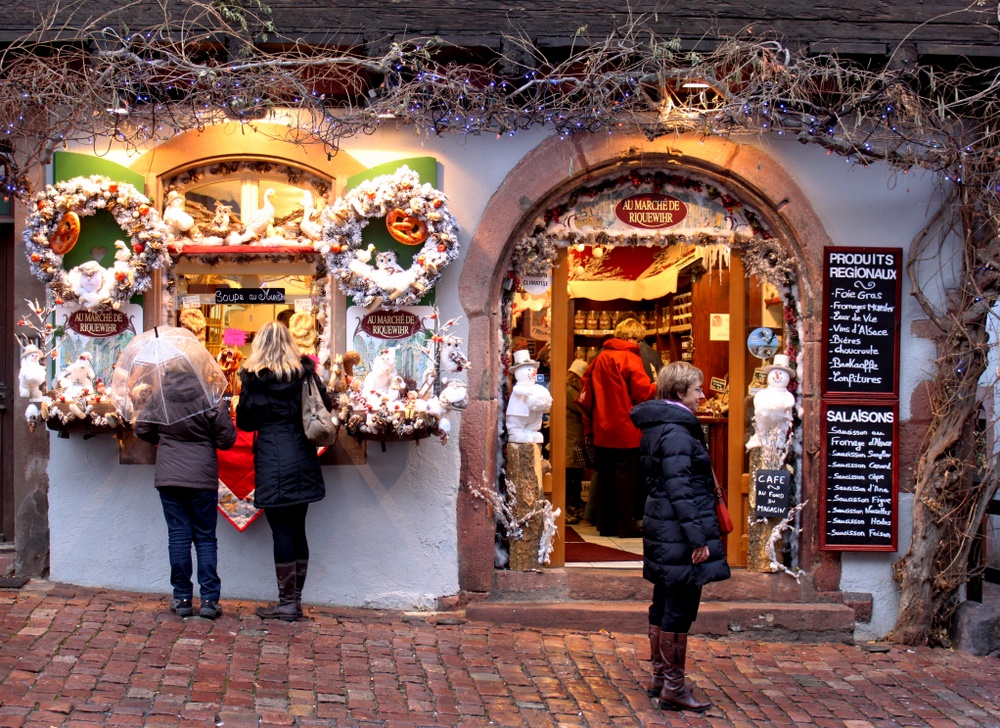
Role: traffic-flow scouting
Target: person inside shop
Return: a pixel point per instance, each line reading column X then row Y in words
column 617, row 381
column 186, row 477
column 287, row 470
column 681, row 539
column 652, row 362
column 575, row 455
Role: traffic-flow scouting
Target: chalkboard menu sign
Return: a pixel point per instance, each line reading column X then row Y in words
column 861, row 320
column 858, row 505
column 249, row 295
column 771, row 489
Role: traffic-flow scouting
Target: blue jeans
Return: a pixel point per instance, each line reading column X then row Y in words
column 191, row 514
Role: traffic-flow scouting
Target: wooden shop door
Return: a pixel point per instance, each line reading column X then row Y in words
column 8, row 389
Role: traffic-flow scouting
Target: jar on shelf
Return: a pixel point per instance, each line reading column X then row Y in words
column 591, row 353
column 580, row 352
column 604, row 320
column 580, row 320
column 592, row 320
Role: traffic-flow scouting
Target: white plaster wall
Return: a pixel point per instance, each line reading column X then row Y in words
column 871, row 573
column 875, row 206
column 385, row 536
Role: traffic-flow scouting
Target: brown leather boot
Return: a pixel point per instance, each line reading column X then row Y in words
column 285, row 608
column 675, row 694
column 301, row 567
column 656, row 683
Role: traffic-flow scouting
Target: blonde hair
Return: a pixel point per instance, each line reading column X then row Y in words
column 676, row 378
column 630, row 330
column 275, row 350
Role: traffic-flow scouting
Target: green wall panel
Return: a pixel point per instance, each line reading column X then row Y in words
column 375, row 232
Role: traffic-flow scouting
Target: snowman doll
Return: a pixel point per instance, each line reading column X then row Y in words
column 528, row 403
column 773, row 406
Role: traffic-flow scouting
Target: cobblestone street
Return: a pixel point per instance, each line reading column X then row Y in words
column 79, row 657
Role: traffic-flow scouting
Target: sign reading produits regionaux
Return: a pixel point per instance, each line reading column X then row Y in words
column 861, row 320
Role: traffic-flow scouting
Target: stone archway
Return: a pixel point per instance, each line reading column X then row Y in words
column 551, row 170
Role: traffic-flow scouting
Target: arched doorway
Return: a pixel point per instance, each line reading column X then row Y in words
column 540, row 182
column 653, row 246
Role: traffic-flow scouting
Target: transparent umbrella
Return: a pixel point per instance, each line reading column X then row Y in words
column 165, row 375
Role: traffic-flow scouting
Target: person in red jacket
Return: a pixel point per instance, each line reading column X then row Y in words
column 617, row 381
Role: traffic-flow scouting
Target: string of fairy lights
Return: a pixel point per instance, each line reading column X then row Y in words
column 100, row 86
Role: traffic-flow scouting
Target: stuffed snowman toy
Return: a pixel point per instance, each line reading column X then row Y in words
column 772, row 406
column 528, row 403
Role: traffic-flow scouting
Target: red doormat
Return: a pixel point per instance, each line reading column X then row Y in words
column 578, row 550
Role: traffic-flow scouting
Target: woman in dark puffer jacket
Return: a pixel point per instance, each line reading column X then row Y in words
column 682, row 544
column 287, row 471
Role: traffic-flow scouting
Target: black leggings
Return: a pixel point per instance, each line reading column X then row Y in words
column 674, row 608
column 288, row 529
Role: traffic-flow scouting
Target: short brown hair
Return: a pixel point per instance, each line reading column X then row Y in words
column 676, row 378
column 630, row 330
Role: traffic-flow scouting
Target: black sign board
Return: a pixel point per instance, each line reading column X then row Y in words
column 771, row 490
column 858, row 507
column 250, row 296
column 861, row 301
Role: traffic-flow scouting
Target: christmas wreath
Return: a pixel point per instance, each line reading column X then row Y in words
column 53, row 227
column 416, row 214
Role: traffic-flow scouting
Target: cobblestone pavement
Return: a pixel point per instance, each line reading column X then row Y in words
column 79, row 657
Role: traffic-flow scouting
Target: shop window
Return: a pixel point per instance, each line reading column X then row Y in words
column 222, row 197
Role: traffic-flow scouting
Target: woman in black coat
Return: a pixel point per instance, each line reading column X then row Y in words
column 682, row 544
column 288, row 476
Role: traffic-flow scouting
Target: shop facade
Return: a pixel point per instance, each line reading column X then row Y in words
column 403, row 525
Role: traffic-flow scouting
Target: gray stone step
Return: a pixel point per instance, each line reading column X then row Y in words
column 785, row 622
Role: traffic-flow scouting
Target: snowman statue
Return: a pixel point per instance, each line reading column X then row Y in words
column 528, row 403
column 772, row 407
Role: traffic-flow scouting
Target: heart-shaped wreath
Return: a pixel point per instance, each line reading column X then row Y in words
column 53, row 226
column 419, row 213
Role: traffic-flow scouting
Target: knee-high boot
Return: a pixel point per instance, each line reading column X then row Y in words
column 675, row 694
column 656, row 683
column 285, row 608
column 301, row 567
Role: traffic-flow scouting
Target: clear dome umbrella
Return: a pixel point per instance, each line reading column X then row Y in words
column 165, row 375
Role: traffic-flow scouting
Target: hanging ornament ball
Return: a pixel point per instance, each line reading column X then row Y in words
column 598, row 252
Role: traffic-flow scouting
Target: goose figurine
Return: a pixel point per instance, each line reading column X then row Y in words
column 312, row 230
column 259, row 224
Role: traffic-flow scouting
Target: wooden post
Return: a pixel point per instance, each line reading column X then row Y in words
column 524, row 470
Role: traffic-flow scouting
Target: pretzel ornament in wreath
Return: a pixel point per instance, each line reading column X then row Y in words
column 405, row 228
column 66, row 234
column 415, row 214
column 53, row 228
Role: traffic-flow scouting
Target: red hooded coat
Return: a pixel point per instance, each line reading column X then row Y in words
column 618, row 381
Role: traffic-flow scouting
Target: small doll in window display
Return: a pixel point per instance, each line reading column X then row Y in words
column 528, row 403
